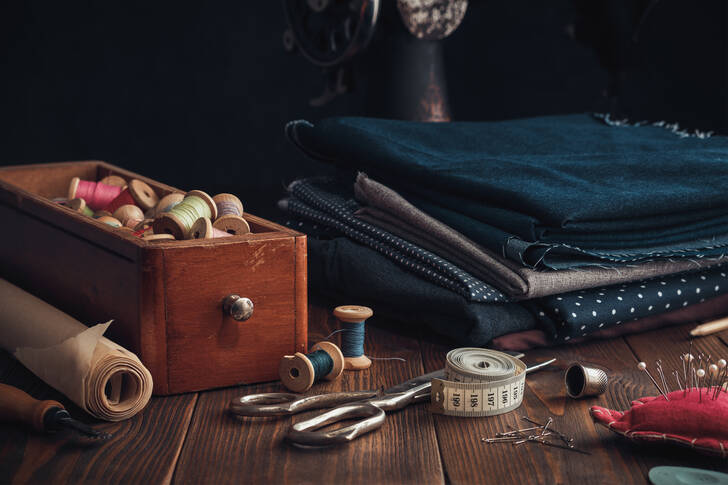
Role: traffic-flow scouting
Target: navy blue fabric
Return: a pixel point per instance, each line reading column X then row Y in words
column 349, row 272
column 328, row 203
column 580, row 313
column 590, row 191
column 323, row 208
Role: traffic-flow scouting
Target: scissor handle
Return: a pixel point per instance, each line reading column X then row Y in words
column 303, row 433
column 283, row 403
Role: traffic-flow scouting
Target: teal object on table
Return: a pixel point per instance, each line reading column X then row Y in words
column 557, row 191
column 680, row 475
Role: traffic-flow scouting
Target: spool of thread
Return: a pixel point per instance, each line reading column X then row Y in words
column 112, row 221
column 124, row 198
column 165, row 204
column 114, row 180
column 202, row 229
column 158, row 237
column 143, row 194
column 79, row 205
column 96, row 195
column 353, row 318
column 298, row 372
column 230, row 215
column 129, row 215
column 180, row 219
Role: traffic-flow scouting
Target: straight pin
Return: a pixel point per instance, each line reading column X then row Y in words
column 642, row 366
column 677, row 378
column 700, row 373
column 661, row 373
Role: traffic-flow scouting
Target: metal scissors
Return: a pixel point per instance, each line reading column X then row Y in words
column 369, row 405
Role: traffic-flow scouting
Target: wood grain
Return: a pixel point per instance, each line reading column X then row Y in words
column 144, row 449
column 221, row 448
column 468, row 460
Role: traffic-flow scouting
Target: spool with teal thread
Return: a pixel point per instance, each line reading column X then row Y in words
column 353, row 318
column 298, row 372
column 180, row 219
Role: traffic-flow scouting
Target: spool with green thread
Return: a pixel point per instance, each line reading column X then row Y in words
column 298, row 372
column 180, row 219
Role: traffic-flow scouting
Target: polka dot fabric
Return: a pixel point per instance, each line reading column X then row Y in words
column 320, row 201
column 579, row 313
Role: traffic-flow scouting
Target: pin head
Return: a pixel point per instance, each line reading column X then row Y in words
column 700, row 373
column 722, row 363
column 642, row 366
column 713, row 369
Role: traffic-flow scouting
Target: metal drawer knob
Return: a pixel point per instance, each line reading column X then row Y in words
column 237, row 307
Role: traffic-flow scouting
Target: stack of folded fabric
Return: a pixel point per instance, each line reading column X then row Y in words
column 519, row 233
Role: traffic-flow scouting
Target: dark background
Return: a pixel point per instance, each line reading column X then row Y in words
column 196, row 94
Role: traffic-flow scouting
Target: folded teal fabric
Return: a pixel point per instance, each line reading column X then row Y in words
column 558, row 191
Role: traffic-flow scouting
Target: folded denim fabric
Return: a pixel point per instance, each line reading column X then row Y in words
column 557, row 191
column 328, row 202
column 346, row 271
column 386, row 209
column 530, row 339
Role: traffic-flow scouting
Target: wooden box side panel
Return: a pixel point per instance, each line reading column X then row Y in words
column 206, row 348
column 81, row 278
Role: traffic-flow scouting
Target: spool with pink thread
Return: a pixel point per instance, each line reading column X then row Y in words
column 96, row 194
column 203, row 229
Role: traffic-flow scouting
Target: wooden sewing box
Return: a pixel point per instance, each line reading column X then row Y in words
column 165, row 297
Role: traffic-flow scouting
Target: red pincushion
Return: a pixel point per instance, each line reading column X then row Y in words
column 683, row 420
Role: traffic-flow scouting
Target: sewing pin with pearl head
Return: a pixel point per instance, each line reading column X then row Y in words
column 352, row 318
column 298, row 372
column 643, row 367
column 700, row 373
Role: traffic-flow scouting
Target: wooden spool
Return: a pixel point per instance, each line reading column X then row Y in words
column 143, row 194
column 73, row 187
column 231, row 199
column 168, row 223
column 114, row 180
column 165, row 204
column 233, row 225
column 202, row 229
column 296, row 371
column 127, row 213
column 112, row 221
column 76, row 204
column 158, row 237
column 352, row 314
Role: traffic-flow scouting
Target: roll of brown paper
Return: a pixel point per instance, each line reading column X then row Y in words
column 103, row 378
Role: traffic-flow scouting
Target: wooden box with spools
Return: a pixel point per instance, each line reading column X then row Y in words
column 166, row 296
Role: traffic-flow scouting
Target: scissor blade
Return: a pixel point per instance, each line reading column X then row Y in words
column 407, row 385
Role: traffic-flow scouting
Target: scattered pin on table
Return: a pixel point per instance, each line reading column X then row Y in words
column 540, row 433
column 643, row 367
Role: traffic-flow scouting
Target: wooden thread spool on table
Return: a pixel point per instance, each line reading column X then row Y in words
column 179, row 220
column 158, row 237
column 298, row 372
column 352, row 318
column 230, row 215
column 128, row 215
column 203, row 229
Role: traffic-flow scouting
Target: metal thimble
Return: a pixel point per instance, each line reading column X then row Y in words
column 582, row 380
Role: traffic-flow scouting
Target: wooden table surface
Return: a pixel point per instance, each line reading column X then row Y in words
column 192, row 438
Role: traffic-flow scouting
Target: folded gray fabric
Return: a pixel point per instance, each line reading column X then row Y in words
column 390, row 211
